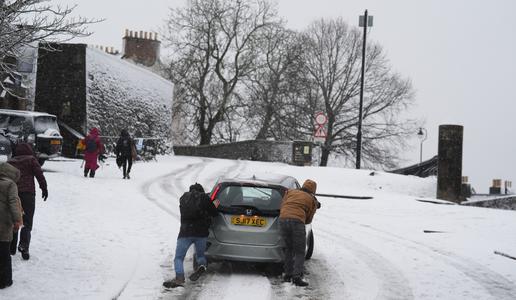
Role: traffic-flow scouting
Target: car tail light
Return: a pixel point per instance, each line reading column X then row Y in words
column 215, row 192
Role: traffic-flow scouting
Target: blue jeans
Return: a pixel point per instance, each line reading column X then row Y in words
column 182, row 247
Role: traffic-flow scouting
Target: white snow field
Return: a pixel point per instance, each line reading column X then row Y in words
column 109, row 238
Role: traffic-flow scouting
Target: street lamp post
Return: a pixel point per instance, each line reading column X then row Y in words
column 421, row 135
column 364, row 21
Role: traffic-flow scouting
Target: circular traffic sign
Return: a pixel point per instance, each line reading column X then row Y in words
column 320, row 118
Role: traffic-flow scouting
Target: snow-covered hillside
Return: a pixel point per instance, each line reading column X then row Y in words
column 120, row 93
column 108, row 238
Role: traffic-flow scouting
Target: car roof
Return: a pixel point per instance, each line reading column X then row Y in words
column 25, row 113
column 261, row 179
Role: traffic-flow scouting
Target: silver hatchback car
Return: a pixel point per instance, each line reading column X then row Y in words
column 247, row 227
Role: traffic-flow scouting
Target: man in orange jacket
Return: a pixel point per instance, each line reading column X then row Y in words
column 297, row 209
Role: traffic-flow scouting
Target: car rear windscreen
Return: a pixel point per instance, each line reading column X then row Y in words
column 250, row 196
column 41, row 124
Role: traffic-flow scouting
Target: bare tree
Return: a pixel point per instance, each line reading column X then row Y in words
column 24, row 23
column 276, row 79
column 214, row 46
column 332, row 59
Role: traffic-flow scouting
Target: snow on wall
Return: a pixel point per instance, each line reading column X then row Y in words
column 123, row 95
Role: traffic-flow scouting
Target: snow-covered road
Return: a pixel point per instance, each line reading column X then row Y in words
column 108, row 238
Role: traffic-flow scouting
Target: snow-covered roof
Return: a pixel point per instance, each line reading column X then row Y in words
column 25, row 113
column 121, row 95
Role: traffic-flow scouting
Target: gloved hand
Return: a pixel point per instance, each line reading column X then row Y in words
column 102, row 157
column 17, row 225
column 44, row 194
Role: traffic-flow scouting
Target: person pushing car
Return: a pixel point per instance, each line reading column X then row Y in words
column 297, row 209
column 197, row 210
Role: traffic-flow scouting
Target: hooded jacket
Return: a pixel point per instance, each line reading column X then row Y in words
column 91, row 157
column 10, row 208
column 198, row 226
column 300, row 204
column 29, row 168
column 124, row 145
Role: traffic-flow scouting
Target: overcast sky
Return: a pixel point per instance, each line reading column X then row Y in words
column 460, row 55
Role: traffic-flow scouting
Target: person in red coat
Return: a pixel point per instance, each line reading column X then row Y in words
column 28, row 165
column 93, row 149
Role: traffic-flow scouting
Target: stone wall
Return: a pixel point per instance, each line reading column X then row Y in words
column 500, row 203
column 271, row 151
column 61, row 88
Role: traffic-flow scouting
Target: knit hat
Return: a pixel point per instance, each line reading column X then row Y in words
column 196, row 187
column 310, row 186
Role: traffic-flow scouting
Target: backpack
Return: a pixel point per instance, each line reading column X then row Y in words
column 125, row 145
column 190, row 205
column 91, row 145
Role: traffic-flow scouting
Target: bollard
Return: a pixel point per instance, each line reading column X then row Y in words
column 449, row 164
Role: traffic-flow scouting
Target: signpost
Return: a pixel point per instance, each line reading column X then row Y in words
column 320, row 130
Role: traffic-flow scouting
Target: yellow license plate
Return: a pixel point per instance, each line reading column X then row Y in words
column 55, row 142
column 248, row 221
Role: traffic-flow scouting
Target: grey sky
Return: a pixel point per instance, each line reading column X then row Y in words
column 458, row 53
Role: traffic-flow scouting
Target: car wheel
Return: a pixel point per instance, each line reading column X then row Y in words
column 309, row 245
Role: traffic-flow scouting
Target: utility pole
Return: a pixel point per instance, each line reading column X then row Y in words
column 364, row 21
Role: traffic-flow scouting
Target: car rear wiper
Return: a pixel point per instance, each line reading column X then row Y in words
column 244, row 206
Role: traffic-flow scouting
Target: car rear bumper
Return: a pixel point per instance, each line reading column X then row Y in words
column 238, row 252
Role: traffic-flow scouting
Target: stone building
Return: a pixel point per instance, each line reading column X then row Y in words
column 86, row 87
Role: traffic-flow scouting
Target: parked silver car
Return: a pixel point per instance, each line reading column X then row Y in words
column 247, row 228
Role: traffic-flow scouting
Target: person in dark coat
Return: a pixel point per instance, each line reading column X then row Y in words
column 94, row 149
column 10, row 219
column 26, row 162
column 194, row 230
column 125, row 151
column 297, row 209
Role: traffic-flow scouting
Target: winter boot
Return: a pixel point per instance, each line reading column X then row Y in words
column 92, row 173
column 128, row 177
column 86, row 172
column 24, row 252
column 176, row 282
column 195, row 275
column 287, row 278
column 298, row 281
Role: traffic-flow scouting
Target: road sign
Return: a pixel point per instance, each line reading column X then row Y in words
column 320, row 132
column 320, row 118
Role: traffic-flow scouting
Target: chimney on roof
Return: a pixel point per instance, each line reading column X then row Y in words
column 141, row 48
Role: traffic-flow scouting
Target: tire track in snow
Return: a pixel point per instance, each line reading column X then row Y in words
column 318, row 288
column 494, row 283
column 193, row 290
column 146, row 189
column 393, row 284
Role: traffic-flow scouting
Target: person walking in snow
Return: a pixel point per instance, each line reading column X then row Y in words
column 11, row 219
column 28, row 165
column 125, row 151
column 297, row 209
column 94, row 149
column 197, row 210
